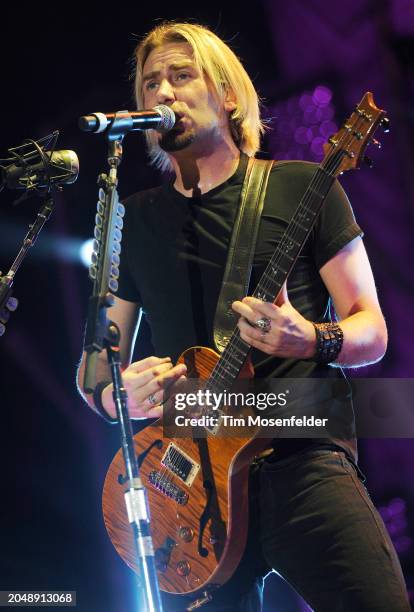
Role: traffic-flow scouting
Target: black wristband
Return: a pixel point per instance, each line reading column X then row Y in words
column 97, row 400
column 329, row 340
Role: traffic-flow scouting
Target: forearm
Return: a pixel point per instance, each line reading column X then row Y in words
column 103, row 373
column 365, row 340
column 291, row 336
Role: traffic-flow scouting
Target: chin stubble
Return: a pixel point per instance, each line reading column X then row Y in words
column 174, row 141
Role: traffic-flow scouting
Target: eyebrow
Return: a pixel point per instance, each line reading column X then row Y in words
column 176, row 66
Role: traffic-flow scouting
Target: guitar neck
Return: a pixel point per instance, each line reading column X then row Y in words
column 278, row 269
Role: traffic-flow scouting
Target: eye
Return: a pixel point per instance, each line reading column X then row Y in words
column 182, row 76
column 151, row 85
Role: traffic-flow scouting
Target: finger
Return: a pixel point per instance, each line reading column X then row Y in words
column 262, row 309
column 154, row 399
column 249, row 333
column 141, row 379
column 245, row 310
column 164, row 380
column 255, row 338
column 149, row 362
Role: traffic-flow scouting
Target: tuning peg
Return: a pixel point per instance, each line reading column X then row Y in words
column 385, row 124
column 368, row 161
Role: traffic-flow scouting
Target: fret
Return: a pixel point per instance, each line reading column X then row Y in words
column 295, row 242
column 286, row 254
column 316, row 192
column 267, row 276
column 283, row 270
column 231, row 365
column 270, row 274
column 234, row 356
column 216, row 373
column 302, row 227
column 224, row 366
column 263, row 294
column 309, row 210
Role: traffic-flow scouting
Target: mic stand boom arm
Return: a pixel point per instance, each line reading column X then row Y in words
column 104, row 334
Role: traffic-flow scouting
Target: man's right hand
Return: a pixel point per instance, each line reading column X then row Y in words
column 145, row 382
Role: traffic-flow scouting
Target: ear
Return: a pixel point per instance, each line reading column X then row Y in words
column 230, row 101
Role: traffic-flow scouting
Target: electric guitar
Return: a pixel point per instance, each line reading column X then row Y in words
column 198, row 486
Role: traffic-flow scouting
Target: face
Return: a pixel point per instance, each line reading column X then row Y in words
column 171, row 77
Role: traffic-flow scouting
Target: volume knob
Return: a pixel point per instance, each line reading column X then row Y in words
column 186, row 534
column 183, row 568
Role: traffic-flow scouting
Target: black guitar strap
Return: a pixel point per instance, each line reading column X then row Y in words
column 243, row 240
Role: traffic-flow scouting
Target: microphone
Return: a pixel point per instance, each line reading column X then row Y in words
column 39, row 171
column 160, row 118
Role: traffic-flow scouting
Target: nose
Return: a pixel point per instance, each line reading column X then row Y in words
column 165, row 92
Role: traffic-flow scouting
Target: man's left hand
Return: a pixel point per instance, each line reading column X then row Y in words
column 288, row 334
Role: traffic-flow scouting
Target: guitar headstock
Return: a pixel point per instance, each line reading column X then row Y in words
column 349, row 143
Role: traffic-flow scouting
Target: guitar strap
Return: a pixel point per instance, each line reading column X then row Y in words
column 236, row 278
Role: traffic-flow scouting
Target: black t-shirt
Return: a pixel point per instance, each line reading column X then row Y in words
column 174, row 251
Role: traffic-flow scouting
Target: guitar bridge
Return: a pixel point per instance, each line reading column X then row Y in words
column 169, row 489
column 180, row 464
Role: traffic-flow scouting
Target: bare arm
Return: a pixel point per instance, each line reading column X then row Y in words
column 348, row 278
column 142, row 379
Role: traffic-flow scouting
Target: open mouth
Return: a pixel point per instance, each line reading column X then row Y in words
column 179, row 123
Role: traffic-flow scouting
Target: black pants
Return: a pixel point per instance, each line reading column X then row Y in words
column 312, row 520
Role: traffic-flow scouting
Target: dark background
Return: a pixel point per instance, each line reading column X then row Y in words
column 58, row 64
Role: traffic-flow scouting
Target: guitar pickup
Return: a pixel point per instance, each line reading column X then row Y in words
column 180, row 464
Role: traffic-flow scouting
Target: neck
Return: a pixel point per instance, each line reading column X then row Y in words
column 199, row 173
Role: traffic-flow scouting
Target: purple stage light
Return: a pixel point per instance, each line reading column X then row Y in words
column 394, row 515
column 303, row 124
column 303, row 135
column 322, row 95
column 327, row 128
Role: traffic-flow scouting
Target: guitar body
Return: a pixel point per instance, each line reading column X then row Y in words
column 199, row 522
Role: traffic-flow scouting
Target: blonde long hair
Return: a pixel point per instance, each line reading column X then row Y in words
column 223, row 69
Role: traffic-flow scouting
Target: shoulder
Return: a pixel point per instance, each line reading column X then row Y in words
column 294, row 168
column 140, row 200
column 143, row 206
column 288, row 181
column 292, row 178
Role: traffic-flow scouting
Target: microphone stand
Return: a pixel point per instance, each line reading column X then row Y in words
column 101, row 334
column 7, row 302
column 28, row 167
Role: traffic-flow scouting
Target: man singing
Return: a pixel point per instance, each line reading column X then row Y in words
column 312, row 519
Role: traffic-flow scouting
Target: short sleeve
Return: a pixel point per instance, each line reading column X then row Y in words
column 335, row 226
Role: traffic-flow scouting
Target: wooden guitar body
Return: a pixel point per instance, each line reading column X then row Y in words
column 199, row 517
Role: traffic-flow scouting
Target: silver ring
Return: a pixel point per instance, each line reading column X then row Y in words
column 264, row 325
column 152, row 400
